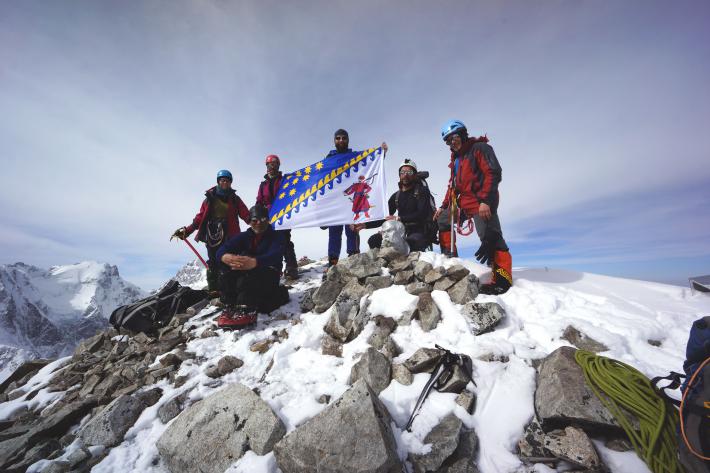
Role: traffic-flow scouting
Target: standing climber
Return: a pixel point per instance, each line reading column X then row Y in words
column 473, row 191
column 217, row 221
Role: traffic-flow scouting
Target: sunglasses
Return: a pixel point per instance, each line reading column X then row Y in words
column 341, row 138
column 406, row 172
column 450, row 139
column 259, row 220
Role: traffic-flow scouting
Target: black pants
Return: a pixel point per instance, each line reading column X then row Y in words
column 416, row 241
column 258, row 288
column 289, row 250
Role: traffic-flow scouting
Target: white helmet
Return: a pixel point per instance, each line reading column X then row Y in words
column 408, row 162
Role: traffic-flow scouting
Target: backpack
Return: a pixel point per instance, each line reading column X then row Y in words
column 694, row 409
column 431, row 228
column 156, row 311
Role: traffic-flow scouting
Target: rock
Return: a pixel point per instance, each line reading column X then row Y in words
column 462, row 460
column 351, row 434
column 374, row 368
column 390, row 349
column 323, row 399
column 172, row 408
column 654, row 343
column 423, row 360
column 389, row 253
column 582, row 341
column 457, row 383
column 401, row 264
column 346, row 321
column 327, row 293
column 171, row 359
column 465, row 290
column 421, row 269
column 361, row 265
column 384, row 326
column 416, row 288
column 456, row 272
column 484, row 316
column 427, row 312
column 414, row 256
column 434, row 275
column 467, row 400
column 403, row 277
column 56, row 466
column 306, row 304
column 209, row 333
column 22, row 371
column 353, row 290
column 444, row 284
column 619, row 445
column 78, row 456
column 378, row 282
column 563, row 398
column 444, row 438
column 532, row 444
column 90, row 345
column 39, row 449
column 401, row 374
column 225, row 365
column 573, row 446
column 111, row 424
column 261, row 346
column 406, row 318
column 215, row 432
column 331, row 346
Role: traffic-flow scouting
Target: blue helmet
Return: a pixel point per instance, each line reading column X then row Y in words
column 452, row 126
column 224, row 173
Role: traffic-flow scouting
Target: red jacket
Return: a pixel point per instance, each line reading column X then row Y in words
column 235, row 208
column 268, row 189
column 475, row 175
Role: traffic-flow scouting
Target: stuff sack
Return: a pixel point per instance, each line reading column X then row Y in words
column 156, row 311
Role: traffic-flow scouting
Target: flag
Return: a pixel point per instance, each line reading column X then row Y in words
column 342, row 189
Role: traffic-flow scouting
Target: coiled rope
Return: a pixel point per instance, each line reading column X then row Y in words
column 626, row 388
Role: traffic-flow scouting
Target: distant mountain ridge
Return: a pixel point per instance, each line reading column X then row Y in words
column 46, row 313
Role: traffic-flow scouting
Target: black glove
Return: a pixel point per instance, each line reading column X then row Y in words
column 180, row 233
column 485, row 252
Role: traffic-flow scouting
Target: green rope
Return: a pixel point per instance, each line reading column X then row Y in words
column 627, row 389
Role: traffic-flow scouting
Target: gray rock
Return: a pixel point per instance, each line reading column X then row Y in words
column 427, row 312
column 404, row 277
column 619, row 445
column 532, row 444
column 331, row 346
column 423, row 360
column 418, row 287
column 414, row 256
column 401, row 374
column 574, row 446
column 462, row 460
column 78, row 456
column 346, row 321
column 327, row 293
column 351, row 434
column 353, row 290
column 406, row 318
column 390, row 349
column 563, row 398
column 229, row 363
column 384, row 326
column 215, row 432
column 39, row 449
column 434, row 275
column 444, row 284
column 465, row 290
column 378, row 282
column 306, row 304
column 484, row 316
column 374, row 368
column 389, row 253
column 467, row 400
column 457, row 383
column 57, row 466
column 457, row 272
column 209, row 333
column 401, row 264
column 323, row 399
column 111, row 424
column 444, row 438
column 361, row 265
column 582, row 341
column 172, row 408
column 28, row 368
column 421, row 269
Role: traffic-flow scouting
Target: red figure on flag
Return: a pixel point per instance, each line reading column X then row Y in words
column 359, row 198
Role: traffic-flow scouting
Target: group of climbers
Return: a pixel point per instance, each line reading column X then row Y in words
column 245, row 267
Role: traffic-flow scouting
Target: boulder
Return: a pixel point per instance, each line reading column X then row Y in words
column 532, row 444
column 327, row 293
column 421, row 269
column 456, row 272
column 331, row 346
column 404, row 277
column 562, row 397
column 582, row 341
column 427, row 312
column 215, row 432
column 378, row 282
column 361, row 265
column 401, row 264
column 389, row 253
column 306, row 303
column 346, row 321
column 484, row 317
column 225, row 365
column 110, row 425
column 423, row 360
column 462, row 460
column 374, row 368
column 390, row 349
column 465, row 290
column 444, row 438
column 353, row 290
column 417, row 287
column 434, row 275
column 172, row 408
column 351, row 434
column 467, row 400
column 24, row 371
column 401, row 374
column 574, row 446
column 384, row 326
column 444, row 284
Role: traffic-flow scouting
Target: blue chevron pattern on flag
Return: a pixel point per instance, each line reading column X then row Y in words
column 341, row 189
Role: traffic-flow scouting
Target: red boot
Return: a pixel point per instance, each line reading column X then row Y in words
column 502, row 274
column 236, row 318
column 445, row 244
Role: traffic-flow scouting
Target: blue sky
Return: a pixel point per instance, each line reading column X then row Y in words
column 118, row 115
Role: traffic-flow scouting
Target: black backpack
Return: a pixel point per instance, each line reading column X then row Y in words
column 156, row 311
column 431, row 228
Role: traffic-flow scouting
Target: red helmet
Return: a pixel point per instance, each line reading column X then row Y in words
column 272, row 158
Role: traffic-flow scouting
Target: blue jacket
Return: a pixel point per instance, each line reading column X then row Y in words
column 269, row 250
column 333, row 152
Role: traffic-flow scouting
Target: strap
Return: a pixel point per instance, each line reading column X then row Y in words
column 675, row 382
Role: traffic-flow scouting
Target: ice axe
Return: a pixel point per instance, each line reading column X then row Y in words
column 193, row 250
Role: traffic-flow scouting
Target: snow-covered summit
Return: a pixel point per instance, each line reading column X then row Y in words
column 45, row 313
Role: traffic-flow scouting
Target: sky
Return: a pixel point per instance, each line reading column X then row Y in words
column 117, row 116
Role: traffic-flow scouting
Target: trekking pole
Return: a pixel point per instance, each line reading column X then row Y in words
column 453, row 250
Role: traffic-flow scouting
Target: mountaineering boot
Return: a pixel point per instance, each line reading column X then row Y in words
column 213, row 283
column 445, row 244
column 331, row 262
column 291, row 272
column 236, row 317
column 502, row 274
